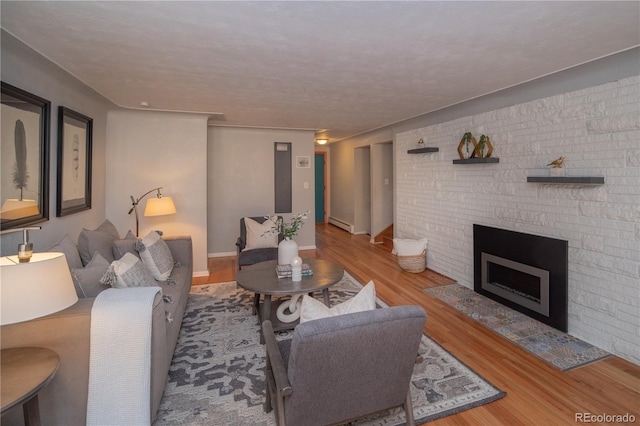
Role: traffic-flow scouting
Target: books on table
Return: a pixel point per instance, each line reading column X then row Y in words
column 284, row 271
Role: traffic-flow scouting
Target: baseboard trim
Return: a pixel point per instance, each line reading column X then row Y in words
column 223, row 254
column 341, row 224
column 200, row 274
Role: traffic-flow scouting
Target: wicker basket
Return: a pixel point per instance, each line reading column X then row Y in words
column 414, row 264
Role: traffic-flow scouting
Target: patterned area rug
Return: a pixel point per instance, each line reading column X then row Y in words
column 217, row 373
column 557, row 348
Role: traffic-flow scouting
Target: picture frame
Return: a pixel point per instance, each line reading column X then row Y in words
column 303, row 162
column 24, row 158
column 75, row 147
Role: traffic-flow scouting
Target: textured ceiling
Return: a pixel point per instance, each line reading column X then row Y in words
column 343, row 67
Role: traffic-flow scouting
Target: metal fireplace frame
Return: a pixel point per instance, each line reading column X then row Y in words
column 541, row 274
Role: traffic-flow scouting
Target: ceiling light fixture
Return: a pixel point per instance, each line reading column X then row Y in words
column 322, row 141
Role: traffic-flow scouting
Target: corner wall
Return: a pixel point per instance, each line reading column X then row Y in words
column 147, row 150
column 597, row 129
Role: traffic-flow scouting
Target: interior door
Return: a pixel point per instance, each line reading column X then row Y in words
column 320, row 186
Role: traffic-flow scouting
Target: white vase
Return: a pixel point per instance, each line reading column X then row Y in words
column 287, row 250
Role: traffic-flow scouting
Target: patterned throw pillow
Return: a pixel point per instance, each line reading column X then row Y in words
column 156, row 255
column 258, row 235
column 365, row 300
column 128, row 272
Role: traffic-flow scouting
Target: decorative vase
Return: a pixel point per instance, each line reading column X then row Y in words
column 287, row 250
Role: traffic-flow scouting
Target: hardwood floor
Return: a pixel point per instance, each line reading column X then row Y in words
column 537, row 393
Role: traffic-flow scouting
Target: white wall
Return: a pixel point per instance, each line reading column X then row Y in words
column 146, row 150
column 362, row 190
column 241, row 182
column 28, row 70
column 381, row 187
column 597, row 129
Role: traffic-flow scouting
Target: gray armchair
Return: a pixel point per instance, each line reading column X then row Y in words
column 341, row 368
column 249, row 257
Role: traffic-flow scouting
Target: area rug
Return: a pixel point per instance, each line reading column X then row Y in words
column 559, row 349
column 217, row 373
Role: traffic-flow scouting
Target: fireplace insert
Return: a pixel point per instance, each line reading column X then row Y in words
column 528, row 273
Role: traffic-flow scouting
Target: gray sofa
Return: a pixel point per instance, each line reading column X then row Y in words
column 64, row 400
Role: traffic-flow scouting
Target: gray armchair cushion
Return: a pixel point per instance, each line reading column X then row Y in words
column 344, row 367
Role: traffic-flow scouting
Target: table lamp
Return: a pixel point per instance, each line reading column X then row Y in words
column 36, row 288
column 28, row 290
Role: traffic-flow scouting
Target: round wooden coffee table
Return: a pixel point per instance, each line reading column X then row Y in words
column 262, row 280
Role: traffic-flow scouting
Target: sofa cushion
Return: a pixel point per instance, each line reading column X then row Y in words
column 260, row 235
column 128, row 272
column 99, row 240
column 87, row 280
column 125, row 245
column 312, row 309
column 156, row 255
column 70, row 251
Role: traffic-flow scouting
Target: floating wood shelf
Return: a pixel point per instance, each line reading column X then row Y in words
column 580, row 180
column 422, row 150
column 477, row 160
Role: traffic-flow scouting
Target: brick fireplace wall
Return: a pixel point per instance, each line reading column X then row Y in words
column 598, row 131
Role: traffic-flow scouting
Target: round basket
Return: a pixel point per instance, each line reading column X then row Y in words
column 414, row 264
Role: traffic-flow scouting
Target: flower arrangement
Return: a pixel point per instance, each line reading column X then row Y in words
column 289, row 230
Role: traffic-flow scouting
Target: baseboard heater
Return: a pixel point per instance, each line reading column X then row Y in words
column 341, row 224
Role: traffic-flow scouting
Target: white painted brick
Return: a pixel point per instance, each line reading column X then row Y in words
column 593, row 243
column 621, row 123
column 598, row 130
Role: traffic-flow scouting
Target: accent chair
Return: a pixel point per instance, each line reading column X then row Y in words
column 341, row 368
column 257, row 255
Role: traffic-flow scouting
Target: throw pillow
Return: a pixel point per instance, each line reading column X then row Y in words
column 125, row 245
column 70, row 251
column 406, row 247
column 156, row 255
column 127, row 272
column 259, row 235
column 365, row 300
column 87, row 279
column 99, row 240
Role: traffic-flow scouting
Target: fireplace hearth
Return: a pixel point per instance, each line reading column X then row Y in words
column 528, row 273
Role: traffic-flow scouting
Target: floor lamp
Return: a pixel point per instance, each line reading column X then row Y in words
column 158, row 206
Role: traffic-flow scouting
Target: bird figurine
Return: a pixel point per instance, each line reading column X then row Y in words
column 557, row 163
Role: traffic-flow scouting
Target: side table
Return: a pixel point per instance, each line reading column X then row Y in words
column 23, row 373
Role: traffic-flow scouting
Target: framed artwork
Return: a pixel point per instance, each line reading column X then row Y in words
column 74, row 162
column 303, row 162
column 24, row 158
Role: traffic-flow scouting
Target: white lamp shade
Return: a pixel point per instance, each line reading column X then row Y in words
column 34, row 289
column 159, row 206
